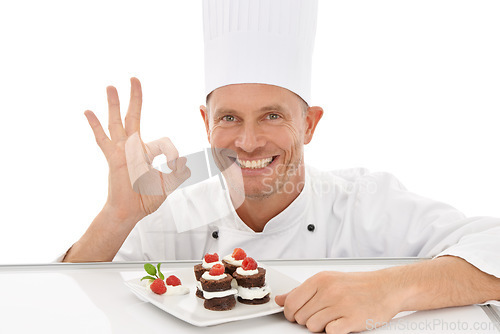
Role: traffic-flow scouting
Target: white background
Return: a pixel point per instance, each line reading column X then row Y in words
column 409, row 87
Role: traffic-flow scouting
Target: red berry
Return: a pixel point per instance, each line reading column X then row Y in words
column 173, row 280
column 239, row 254
column 209, row 258
column 217, row 270
column 158, row 286
column 249, row 264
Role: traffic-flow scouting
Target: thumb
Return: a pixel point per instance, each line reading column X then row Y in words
column 280, row 299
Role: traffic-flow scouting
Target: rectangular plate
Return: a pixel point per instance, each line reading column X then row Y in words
column 190, row 308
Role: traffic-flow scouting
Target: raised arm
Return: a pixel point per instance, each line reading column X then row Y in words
column 135, row 188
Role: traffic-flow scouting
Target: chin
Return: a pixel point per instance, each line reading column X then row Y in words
column 254, row 196
column 259, row 192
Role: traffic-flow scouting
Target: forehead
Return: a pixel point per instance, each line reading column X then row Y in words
column 248, row 97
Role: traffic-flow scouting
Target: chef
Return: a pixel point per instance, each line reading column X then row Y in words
column 258, row 117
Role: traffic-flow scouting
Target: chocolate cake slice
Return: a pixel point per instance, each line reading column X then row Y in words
column 252, row 287
column 255, row 280
column 217, row 289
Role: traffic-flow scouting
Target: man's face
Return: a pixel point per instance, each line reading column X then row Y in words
column 262, row 128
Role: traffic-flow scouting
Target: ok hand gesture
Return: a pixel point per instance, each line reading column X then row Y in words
column 135, row 188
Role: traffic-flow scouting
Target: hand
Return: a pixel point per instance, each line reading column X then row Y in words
column 338, row 302
column 135, row 188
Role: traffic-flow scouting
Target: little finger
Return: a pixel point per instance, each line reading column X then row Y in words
column 100, row 136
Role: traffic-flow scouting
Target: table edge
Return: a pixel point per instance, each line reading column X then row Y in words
column 184, row 263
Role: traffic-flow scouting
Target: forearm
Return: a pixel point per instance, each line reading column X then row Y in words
column 443, row 282
column 103, row 238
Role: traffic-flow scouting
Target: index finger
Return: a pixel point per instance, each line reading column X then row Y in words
column 133, row 117
column 297, row 298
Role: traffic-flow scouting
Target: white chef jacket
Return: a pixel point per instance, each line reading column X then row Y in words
column 343, row 213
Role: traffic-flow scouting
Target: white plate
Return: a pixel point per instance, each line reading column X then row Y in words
column 190, row 308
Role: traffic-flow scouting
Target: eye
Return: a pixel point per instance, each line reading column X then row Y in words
column 228, row 118
column 273, row 116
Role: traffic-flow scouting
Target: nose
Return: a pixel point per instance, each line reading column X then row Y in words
column 250, row 138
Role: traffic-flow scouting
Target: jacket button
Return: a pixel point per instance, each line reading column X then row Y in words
column 310, row 227
column 215, row 234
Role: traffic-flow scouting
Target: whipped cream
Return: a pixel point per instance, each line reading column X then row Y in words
column 231, row 260
column 171, row 290
column 176, row 290
column 244, row 272
column 206, row 275
column 253, row 293
column 219, row 294
column 146, row 283
column 209, row 265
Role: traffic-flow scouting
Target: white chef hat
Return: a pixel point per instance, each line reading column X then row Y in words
column 260, row 41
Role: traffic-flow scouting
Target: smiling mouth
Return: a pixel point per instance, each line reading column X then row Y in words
column 255, row 164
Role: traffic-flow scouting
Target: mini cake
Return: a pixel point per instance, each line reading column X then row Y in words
column 217, row 289
column 233, row 261
column 251, row 279
column 209, row 260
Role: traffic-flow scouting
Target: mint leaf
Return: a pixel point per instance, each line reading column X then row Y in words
column 150, row 269
column 160, row 275
column 148, row 277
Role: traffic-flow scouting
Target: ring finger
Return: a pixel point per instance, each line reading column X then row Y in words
column 115, row 126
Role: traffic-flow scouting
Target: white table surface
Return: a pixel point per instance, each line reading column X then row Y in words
column 91, row 298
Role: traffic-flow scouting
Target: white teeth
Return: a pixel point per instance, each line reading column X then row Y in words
column 254, row 164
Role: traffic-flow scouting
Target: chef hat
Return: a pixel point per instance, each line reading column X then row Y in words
column 259, row 41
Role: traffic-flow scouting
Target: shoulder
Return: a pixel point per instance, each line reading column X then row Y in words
column 352, row 181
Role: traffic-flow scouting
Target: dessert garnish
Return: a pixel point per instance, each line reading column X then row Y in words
column 209, row 258
column 157, row 285
column 239, row 254
column 217, row 270
column 173, row 280
column 249, row 264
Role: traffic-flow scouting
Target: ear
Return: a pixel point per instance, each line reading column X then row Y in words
column 313, row 116
column 205, row 116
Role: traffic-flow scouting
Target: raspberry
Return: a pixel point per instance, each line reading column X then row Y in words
column 249, row 264
column 217, row 270
column 209, row 258
column 173, row 280
column 158, row 286
column 239, row 254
